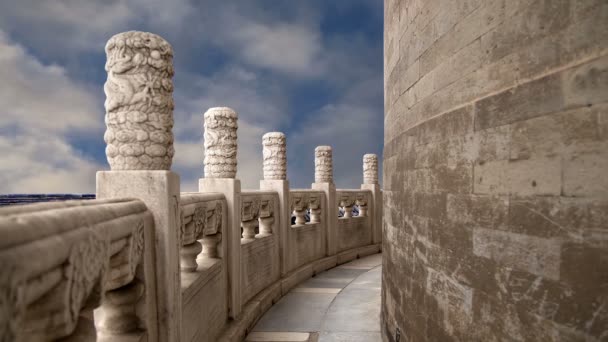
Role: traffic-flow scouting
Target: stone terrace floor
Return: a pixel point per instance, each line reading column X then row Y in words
column 341, row 304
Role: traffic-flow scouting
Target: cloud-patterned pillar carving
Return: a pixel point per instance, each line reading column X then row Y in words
column 139, row 102
column 220, row 142
column 323, row 165
column 370, row 169
column 275, row 156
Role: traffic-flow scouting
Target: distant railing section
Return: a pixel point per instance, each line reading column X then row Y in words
column 305, row 206
column 352, row 203
column 257, row 214
column 201, row 228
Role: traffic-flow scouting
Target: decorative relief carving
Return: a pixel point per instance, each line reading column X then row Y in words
column 347, row 202
column 12, row 302
column 139, row 102
column 193, row 225
column 301, row 202
column 323, row 165
column 85, row 272
column 275, row 156
column 250, row 209
column 266, row 207
column 136, row 248
column 370, row 169
column 213, row 221
column 220, row 142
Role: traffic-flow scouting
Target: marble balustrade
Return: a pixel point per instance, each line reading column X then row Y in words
column 148, row 262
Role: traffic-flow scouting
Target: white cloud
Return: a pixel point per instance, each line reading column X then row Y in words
column 40, row 104
column 289, row 48
column 44, row 164
column 71, row 26
column 37, row 96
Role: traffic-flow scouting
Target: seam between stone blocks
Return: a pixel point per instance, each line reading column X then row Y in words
column 517, row 83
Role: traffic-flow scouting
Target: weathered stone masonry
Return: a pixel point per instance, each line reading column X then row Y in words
column 495, row 159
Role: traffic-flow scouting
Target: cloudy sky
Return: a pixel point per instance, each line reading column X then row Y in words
column 311, row 69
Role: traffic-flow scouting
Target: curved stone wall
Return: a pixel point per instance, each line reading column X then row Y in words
column 495, row 170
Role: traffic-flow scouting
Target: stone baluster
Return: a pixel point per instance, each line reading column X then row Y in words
column 249, row 218
column 362, row 204
column 347, row 204
column 275, row 157
column 210, row 245
column 119, row 312
column 315, row 210
column 266, row 219
column 249, row 230
column 300, row 206
column 139, row 137
column 188, row 254
column 266, row 225
column 323, row 165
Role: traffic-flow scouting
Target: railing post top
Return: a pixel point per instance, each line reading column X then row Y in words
column 323, row 148
column 139, row 102
column 214, row 114
column 220, row 124
column 273, row 135
column 370, row 168
column 275, row 156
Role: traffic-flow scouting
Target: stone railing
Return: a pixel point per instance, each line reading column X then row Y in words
column 76, row 267
column 157, row 263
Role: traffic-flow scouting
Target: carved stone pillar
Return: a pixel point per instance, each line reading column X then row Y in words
column 275, row 156
column 275, row 179
column 139, row 102
column 370, row 169
column 139, row 120
column 323, row 165
column 220, row 142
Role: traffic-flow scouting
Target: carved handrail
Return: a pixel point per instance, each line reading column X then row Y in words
column 258, row 210
column 304, row 200
column 59, row 259
column 201, row 219
column 348, row 198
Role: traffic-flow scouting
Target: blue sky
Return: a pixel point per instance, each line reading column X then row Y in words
column 311, row 69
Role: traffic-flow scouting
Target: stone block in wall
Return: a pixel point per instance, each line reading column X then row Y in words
column 534, row 255
column 542, row 176
column 555, row 134
column 585, row 175
column 516, row 104
column 565, row 217
column 587, row 84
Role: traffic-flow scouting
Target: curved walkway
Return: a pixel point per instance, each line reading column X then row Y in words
column 341, row 304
